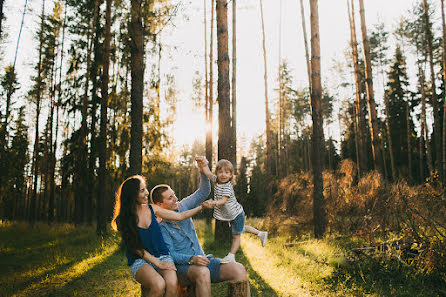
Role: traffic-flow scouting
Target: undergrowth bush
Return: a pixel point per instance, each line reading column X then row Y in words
column 415, row 215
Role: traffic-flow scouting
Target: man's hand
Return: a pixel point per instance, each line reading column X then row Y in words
column 208, row 203
column 199, row 260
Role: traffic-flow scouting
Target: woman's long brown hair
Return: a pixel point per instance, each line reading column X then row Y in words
column 125, row 219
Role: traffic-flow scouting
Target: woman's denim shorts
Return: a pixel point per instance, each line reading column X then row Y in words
column 140, row 262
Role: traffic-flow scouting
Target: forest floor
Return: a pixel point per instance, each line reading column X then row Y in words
column 63, row 260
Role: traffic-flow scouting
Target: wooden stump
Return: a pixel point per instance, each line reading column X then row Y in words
column 237, row 289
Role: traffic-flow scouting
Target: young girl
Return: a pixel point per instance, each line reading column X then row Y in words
column 226, row 207
column 148, row 257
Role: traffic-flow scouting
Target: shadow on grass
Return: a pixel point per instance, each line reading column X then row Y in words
column 111, row 277
column 29, row 260
column 383, row 277
column 219, row 249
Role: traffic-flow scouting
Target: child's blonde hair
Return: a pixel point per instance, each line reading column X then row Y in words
column 225, row 164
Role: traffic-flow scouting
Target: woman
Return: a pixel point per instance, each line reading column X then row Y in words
column 147, row 254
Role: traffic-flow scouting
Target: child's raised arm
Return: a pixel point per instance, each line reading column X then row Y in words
column 203, row 166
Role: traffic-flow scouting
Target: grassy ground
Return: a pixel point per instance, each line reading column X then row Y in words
column 66, row 261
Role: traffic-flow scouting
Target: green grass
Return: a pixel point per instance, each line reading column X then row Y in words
column 63, row 260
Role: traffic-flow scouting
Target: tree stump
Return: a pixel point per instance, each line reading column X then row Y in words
column 237, row 289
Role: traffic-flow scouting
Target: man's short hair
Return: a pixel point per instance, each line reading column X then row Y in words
column 156, row 194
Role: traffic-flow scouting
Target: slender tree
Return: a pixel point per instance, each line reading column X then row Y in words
column 425, row 135
column 319, row 219
column 267, row 113
column 2, row 2
column 137, row 73
column 210, row 105
column 102, row 174
column 436, row 109
column 304, row 31
column 444, row 97
column 38, row 95
column 359, row 112
column 234, row 89
column 373, row 119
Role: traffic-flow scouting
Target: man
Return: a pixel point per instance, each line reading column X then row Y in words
column 193, row 266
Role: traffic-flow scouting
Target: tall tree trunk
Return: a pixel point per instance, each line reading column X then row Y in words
column 421, row 154
column 356, row 140
column 409, row 144
column 389, row 138
column 137, row 64
column 444, row 97
column 38, row 99
column 425, row 135
column 436, row 109
column 319, row 220
column 210, row 110
column 51, row 168
column 373, row 120
column 304, row 30
column 2, row 2
column 81, row 179
column 206, row 81
column 224, row 116
column 360, row 119
column 91, row 182
column 234, row 89
column 268, row 158
column 58, row 104
column 281, row 105
column 10, row 87
column 102, row 174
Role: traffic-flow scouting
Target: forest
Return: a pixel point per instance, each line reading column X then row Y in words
column 97, row 104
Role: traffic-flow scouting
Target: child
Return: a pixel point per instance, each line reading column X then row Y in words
column 226, row 207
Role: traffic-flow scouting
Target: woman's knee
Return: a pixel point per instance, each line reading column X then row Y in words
column 156, row 288
column 171, row 281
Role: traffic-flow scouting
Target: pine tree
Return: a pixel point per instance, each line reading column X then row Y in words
column 397, row 96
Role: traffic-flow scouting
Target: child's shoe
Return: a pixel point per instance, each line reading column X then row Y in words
column 228, row 259
column 263, row 235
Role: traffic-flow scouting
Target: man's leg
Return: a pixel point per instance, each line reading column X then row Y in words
column 200, row 276
column 234, row 272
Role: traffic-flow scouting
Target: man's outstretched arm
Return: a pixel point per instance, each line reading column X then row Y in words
column 203, row 192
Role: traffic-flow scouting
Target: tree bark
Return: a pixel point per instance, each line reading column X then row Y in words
column 267, row 114
column 444, row 97
column 224, row 116
column 436, row 109
column 102, row 174
column 389, row 138
column 373, row 120
column 2, row 2
column 234, row 89
column 424, row 124
column 409, row 144
column 319, row 220
column 137, row 88
column 210, row 111
column 304, row 30
column 38, row 99
column 360, row 119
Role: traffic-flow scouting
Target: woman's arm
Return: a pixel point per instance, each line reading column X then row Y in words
column 173, row 215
